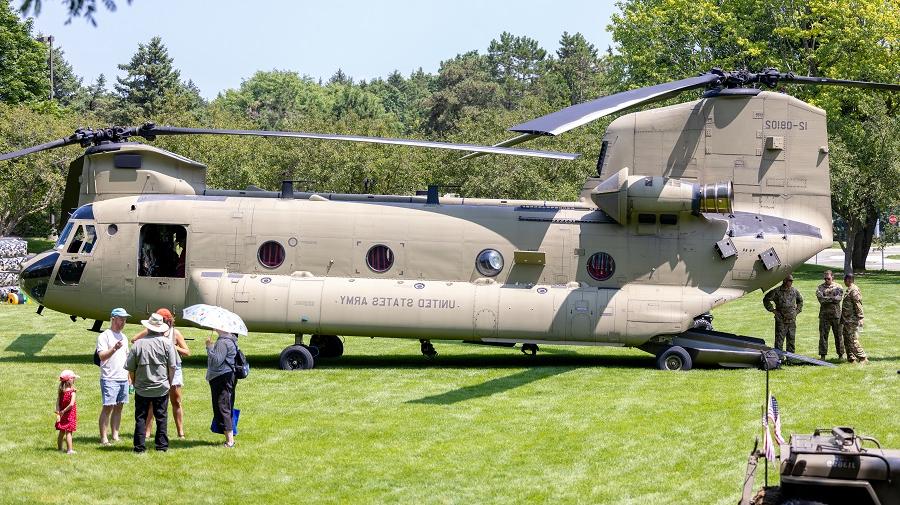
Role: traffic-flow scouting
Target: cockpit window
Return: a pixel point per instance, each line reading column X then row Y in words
column 64, row 236
column 84, row 212
column 83, row 241
column 162, row 250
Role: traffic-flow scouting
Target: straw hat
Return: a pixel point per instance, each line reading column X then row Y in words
column 155, row 323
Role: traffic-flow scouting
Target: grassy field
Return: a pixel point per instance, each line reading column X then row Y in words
column 384, row 425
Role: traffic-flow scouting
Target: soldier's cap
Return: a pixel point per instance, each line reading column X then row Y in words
column 789, row 278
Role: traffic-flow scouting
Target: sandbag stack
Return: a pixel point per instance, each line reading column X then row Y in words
column 13, row 252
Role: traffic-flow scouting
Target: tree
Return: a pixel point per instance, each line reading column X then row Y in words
column 515, row 64
column 66, row 85
column 76, row 8
column 464, row 88
column 23, row 61
column 150, row 76
column 271, row 99
column 32, row 185
column 660, row 40
column 577, row 67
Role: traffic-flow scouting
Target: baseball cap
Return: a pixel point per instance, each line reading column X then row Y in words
column 119, row 312
column 67, row 375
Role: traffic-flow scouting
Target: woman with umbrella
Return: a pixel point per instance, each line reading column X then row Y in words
column 220, row 360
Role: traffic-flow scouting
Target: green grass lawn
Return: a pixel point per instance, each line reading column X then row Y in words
column 478, row 424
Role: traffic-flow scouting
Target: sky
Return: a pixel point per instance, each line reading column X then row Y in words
column 217, row 44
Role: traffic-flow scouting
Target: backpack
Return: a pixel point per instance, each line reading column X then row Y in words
column 241, row 365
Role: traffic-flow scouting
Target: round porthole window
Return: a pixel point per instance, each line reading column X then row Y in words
column 489, row 262
column 380, row 258
column 270, row 254
column 112, row 230
column 601, row 266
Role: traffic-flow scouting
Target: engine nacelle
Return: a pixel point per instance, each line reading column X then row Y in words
column 622, row 195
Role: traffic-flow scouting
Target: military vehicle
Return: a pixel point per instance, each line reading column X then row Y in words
column 830, row 467
column 693, row 205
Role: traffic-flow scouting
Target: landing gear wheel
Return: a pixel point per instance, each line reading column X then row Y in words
column 329, row 346
column 530, row 349
column 427, row 349
column 296, row 357
column 674, row 358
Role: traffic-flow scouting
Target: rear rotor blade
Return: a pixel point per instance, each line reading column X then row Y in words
column 572, row 117
column 150, row 131
column 42, row 147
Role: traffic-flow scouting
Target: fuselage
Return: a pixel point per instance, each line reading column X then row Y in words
column 654, row 278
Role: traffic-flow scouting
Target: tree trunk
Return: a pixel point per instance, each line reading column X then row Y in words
column 848, row 250
column 863, row 242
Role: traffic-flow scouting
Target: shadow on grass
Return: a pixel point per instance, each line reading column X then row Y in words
column 515, row 359
column 29, row 344
column 463, row 361
column 492, row 386
column 126, row 444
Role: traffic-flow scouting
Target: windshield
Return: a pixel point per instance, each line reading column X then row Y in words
column 61, row 242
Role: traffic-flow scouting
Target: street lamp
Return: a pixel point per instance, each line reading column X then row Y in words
column 49, row 40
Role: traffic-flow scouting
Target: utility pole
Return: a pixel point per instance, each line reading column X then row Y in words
column 49, row 40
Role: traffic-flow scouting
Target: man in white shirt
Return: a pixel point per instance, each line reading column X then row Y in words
column 112, row 347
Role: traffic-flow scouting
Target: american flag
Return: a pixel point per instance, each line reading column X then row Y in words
column 775, row 417
column 768, row 446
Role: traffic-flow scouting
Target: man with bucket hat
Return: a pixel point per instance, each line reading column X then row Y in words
column 151, row 365
column 112, row 350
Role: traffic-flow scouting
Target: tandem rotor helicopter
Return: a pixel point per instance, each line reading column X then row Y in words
column 694, row 205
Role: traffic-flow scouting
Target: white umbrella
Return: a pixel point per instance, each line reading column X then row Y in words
column 217, row 318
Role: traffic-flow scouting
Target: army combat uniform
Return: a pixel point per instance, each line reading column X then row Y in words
column 786, row 303
column 851, row 317
column 830, row 317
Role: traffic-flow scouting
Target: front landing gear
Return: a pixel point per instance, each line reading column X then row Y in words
column 296, row 357
column 530, row 349
column 329, row 346
column 427, row 349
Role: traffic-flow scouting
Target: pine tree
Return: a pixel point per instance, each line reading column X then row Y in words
column 150, row 76
column 66, row 85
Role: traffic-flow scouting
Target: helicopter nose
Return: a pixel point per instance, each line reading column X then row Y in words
column 35, row 277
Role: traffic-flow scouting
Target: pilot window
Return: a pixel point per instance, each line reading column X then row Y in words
column 162, row 250
column 83, row 241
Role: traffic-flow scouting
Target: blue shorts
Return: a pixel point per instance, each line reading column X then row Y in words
column 113, row 392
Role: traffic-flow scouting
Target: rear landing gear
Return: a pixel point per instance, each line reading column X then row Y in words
column 427, row 349
column 530, row 349
column 674, row 358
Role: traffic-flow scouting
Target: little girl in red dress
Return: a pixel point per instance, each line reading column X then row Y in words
column 66, row 411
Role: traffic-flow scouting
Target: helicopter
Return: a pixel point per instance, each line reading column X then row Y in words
column 693, row 205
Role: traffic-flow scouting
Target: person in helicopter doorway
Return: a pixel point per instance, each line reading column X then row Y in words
column 785, row 302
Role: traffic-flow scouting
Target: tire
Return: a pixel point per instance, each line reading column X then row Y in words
column 329, row 346
column 674, row 358
column 296, row 357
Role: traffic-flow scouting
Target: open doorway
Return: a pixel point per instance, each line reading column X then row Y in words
column 162, row 250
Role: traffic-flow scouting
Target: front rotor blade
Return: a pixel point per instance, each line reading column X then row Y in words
column 42, row 147
column 571, row 117
column 824, row 81
column 150, row 131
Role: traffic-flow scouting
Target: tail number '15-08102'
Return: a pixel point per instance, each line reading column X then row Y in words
column 775, row 124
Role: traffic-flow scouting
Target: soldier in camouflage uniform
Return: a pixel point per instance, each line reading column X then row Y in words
column 785, row 302
column 852, row 321
column 829, row 295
